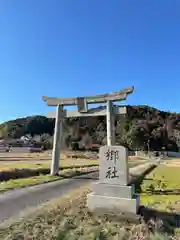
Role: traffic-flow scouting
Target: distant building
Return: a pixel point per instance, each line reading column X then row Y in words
column 3, row 147
column 25, row 138
column 22, row 144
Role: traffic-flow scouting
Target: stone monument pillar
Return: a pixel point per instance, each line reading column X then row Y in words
column 112, row 193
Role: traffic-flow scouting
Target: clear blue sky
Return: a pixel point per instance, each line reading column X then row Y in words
column 71, row 48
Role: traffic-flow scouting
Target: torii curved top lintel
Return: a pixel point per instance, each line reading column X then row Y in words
column 101, row 98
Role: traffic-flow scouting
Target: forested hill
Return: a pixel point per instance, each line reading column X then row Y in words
column 143, row 127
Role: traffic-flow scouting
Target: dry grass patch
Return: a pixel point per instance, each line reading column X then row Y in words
column 44, row 223
column 133, row 158
column 68, row 218
column 173, row 163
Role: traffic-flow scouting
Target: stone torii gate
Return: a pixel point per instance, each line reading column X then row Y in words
column 83, row 111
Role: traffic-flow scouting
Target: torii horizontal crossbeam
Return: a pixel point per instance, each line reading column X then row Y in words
column 116, row 96
column 92, row 112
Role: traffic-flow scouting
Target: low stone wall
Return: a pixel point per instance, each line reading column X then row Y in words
column 24, row 150
column 131, row 153
column 173, row 154
column 144, row 154
column 160, row 153
column 34, row 150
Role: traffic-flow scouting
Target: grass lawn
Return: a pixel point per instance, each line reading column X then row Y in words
column 161, row 189
column 164, row 180
column 66, row 171
column 21, row 170
column 30, row 181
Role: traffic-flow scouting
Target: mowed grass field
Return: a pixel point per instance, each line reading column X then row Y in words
column 9, row 161
column 36, row 165
column 69, row 218
column 71, row 164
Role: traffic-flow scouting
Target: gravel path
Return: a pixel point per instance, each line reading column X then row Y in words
column 15, row 201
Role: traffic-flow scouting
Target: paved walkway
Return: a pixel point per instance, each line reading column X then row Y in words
column 15, row 201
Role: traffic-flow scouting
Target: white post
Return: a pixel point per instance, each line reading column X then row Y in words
column 57, row 141
column 109, row 123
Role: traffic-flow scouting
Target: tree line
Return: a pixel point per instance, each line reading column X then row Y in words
column 142, row 128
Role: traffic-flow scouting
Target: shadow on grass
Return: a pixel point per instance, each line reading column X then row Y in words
column 24, row 160
column 18, row 159
column 133, row 180
column 161, row 221
column 25, row 173
column 164, row 192
column 153, row 220
column 148, row 179
column 137, row 180
column 94, row 175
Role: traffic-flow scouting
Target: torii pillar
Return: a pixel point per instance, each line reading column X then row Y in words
column 110, row 120
column 58, row 131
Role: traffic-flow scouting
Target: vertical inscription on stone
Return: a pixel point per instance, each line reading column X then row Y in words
column 114, row 157
column 114, row 165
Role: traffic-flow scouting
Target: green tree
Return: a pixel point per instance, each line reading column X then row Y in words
column 136, row 136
